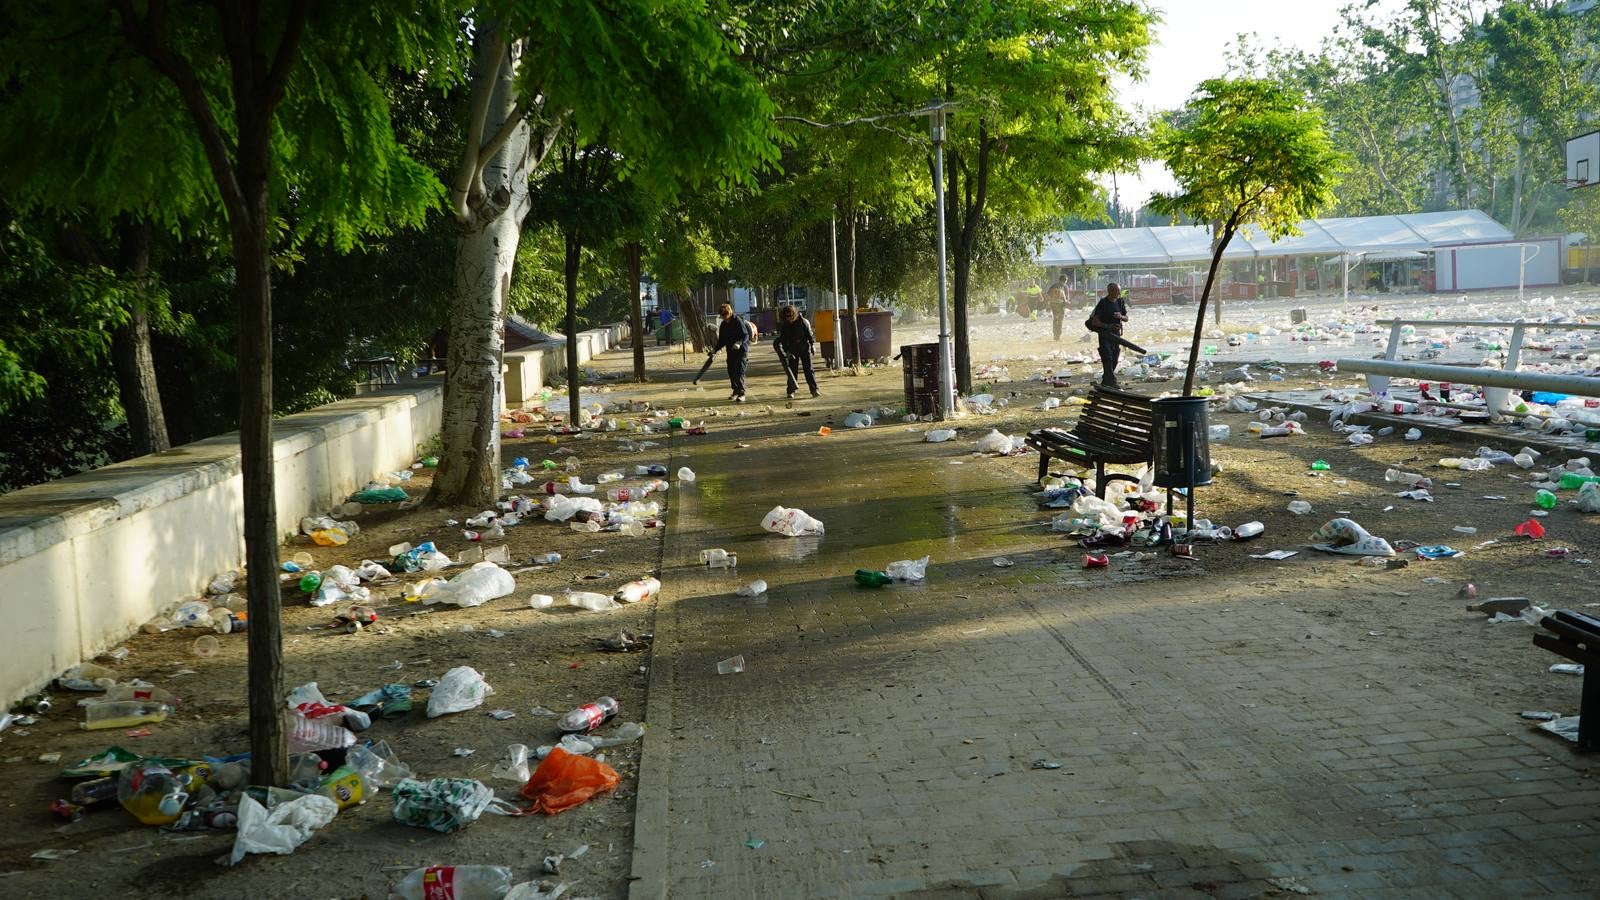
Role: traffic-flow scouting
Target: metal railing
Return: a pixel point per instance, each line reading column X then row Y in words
column 1497, row 383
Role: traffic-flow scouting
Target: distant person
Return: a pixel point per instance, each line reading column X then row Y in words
column 1056, row 299
column 794, row 340
column 1106, row 321
column 734, row 335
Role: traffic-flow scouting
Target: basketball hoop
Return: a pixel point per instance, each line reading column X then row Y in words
column 1583, row 160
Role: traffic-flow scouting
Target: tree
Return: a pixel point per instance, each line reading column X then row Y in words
column 659, row 77
column 1582, row 213
column 263, row 116
column 1249, row 153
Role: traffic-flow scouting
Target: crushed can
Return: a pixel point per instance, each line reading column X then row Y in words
column 1096, row 561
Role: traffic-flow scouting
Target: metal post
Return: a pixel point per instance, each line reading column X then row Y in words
column 947, row 399
column 1379, row 384
column 1496, row 399
column 833, row 256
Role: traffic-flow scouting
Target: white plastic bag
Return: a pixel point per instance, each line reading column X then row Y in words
column 790, row 522
column 908, row 569
column 939, row 435
column 477, row 585
column 281, row 829
column 995, row 442
column 461, row 689
column 564, row 507
column 1091, row 507
column 1588, row 498
column 857, row 420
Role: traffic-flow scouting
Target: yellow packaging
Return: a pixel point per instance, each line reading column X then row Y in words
column 344, row 787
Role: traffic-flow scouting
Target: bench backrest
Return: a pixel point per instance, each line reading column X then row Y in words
column 1116, row 418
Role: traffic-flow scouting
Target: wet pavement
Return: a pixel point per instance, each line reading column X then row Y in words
column 1217, row 734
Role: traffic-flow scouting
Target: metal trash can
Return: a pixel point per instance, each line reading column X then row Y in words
column 1182, row 442
column 1297, row 316
column 920, row 363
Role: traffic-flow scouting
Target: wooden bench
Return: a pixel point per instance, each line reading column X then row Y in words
column 1577, row 637
column 1116, row 427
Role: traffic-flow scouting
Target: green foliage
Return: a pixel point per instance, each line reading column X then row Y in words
column 1250, row 153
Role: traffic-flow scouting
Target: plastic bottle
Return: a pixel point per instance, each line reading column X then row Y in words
column 872, row 579
column 632, row 528
column 584, row 525
column 619, row 495
column 1399, row 477
column 1217, row 432
column 1248, row 530
column 593, row 602
column 753, row 589
column 1544, row 499
column 547, row 559
column 1321, row 465
column 650, row 470
column 135, row 691
column 1570, row 480
column 309, row 582
column 311, row 735
column 607, row 477
column 454, row 883
column 124, row 714
column 718, row 558
column 1299, row 507
column 98, row 792
column 634, row 591
column 589, row 716
column 154, row 794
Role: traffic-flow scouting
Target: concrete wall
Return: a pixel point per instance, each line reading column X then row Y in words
column 529, row 370
column 85, row 560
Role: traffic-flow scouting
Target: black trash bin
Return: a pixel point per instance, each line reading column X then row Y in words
column 1182, row 440
column 920, row 363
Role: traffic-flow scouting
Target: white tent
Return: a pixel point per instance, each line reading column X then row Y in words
column 1171, row 244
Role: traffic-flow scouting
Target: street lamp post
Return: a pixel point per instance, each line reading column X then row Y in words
column 947, row 400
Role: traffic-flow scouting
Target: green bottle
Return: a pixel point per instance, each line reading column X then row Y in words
column 1570, row 480
column 871, row 579
column 431, row 462
column 310, row 581
column 1320, row 465
column 1544, row 499
column 675, row 422
column 548, row 464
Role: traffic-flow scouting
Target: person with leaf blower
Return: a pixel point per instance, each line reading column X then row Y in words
column 1106, row 321
column 734, row 334
column 793, row 341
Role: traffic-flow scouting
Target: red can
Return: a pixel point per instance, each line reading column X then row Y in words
column 1095, row 561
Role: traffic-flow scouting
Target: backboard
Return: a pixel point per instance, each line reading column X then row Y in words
column 1583, row 160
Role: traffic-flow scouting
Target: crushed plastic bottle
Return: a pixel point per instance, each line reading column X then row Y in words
column 753, row 589
column 124, row 714
column 455, row 883
column 717, row 558
column 589, row 716
column 635, row 591
column 1299, row 507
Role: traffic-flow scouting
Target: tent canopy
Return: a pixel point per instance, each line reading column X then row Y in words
column 1171, row 244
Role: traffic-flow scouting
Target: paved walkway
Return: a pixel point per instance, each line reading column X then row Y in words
column 1214, row 738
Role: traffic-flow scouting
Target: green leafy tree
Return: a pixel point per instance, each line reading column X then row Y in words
column 1249, row 153
column 266, row 117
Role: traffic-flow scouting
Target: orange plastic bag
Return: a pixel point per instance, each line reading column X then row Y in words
column 564, row 780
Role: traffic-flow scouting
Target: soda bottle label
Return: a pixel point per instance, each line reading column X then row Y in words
column 439, row 883
column 592, row 714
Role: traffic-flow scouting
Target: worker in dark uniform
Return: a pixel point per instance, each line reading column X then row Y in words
column 793, row 342
column 1106, row 321
column 734, row 336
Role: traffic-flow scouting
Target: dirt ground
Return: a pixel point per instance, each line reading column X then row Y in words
column 547, row 658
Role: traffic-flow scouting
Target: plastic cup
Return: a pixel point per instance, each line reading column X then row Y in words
column 730, row 666
column 301, row 559
column 207, row 646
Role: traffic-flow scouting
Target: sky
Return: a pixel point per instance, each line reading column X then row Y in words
column 1190, row 46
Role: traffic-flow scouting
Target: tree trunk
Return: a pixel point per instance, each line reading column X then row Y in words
column 469, row 465
column 569, row 272
column 131, row 355
column 269, row 752
column 635, row 310
column 693, row 320
column 1200, row 315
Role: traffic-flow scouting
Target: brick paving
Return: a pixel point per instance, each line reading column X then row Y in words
column 1215, row 737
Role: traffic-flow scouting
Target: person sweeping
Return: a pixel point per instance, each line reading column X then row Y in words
column 1106, row 322
column 734, row 334
column 793, row 341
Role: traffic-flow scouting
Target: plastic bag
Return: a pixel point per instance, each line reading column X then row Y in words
column 1091, row 507
column 1344, row 536
column 477, row 585
column 281, row 829
column 790, row 522
column 1588, row 498
column 563, row 507
column 939, row 435
column 445, row 804
column 461, row 689
column 857, row 420
column 564, row 780
column 995, row 442
column 908, row 569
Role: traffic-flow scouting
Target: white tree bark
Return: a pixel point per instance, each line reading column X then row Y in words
column 497, row 203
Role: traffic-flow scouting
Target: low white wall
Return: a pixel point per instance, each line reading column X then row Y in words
column 529, row 371
column 85, row 560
